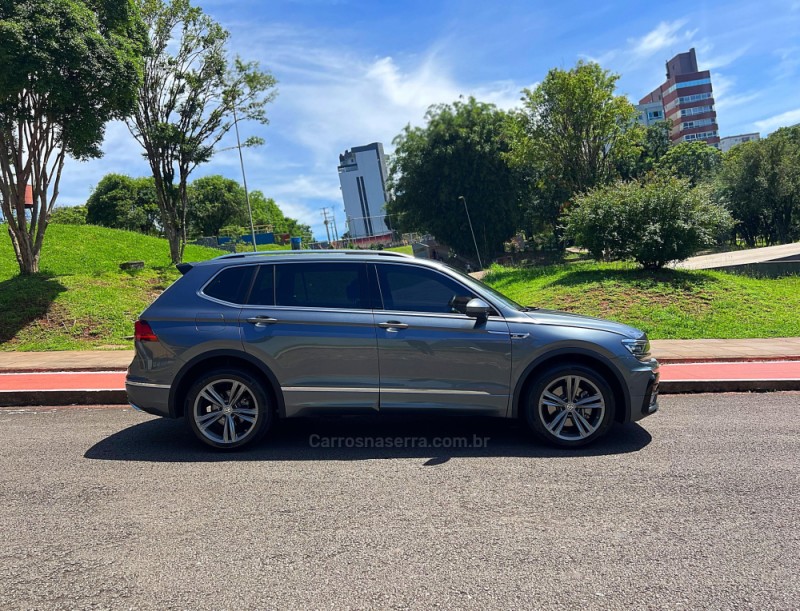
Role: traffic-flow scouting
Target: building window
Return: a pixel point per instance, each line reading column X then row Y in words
column 700, row 136
column 695, row 83
column 697, row 110
column 698, row 123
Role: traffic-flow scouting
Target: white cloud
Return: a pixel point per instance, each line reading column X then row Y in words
column 713, row 62
column 371, row 101
column 665, row 35
column 727, row 94
column 789, row 62
column 785, row 119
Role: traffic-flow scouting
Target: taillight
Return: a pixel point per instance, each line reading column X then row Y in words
column 143, row 332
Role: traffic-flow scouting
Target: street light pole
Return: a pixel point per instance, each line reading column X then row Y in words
column 244, row 180
column 474, row 241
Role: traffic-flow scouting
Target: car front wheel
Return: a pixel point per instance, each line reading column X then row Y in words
column 228, row 409
column 570, row 406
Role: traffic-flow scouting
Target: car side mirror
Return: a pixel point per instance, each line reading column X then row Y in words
column 478, row 308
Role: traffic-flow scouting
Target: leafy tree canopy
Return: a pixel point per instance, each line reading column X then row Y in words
column 67, row 67
column 696, row 161
column 214, row 202
column 461, row 151
column 123, row 202
column 572, row 135
column 760, row 182
column 191, row 96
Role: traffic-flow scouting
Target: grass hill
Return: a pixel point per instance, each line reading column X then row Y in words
column 667, row 304
column 81, row 299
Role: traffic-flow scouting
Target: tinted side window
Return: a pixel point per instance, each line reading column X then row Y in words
column 263, row 292
column 321, row 285
column 414, row 289
column 230, row 284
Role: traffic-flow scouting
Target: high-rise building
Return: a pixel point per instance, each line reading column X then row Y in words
column 650, row 113
column 726, row 143
column 688, row 100
column 362, row 176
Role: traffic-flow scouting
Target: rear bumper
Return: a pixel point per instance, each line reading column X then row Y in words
column 150, row 398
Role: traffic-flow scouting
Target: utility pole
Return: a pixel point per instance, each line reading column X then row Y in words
column 244, row 180
column 335, row 230
column 327, row 222
column 469, row 220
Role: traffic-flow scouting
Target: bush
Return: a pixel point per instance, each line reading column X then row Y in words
column 69, row 215
column 654, row 221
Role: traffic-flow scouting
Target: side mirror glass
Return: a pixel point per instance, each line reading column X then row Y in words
column 478, row 308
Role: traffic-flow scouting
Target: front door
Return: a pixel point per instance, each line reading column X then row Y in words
column 311, row 324
column 431, row 356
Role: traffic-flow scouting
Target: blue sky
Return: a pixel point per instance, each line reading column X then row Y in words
column 352, row 72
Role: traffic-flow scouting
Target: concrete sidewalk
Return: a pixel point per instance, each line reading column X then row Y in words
column 665, row 350
column 741, row 257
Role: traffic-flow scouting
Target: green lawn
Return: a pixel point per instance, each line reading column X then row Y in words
column 81, row 299
column 668, row 304
column 406, row 250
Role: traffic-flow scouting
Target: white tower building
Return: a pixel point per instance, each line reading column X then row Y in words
column 362, row 176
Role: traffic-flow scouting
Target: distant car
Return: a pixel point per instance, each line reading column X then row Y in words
column 243, row 339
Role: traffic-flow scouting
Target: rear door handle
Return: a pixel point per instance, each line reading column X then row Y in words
column 261, row 320
column 393, row 324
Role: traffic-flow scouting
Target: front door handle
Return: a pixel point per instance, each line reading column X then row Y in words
column 393, row 324
column 260, row 321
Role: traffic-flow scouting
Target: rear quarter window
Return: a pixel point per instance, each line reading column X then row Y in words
column 230, row 285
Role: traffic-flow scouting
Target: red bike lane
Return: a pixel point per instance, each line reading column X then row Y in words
column 670, row 372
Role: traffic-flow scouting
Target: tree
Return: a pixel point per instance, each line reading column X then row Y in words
column 123, row 202
column 652, row 144
column 68, row 67
column 267, row 212
column 571, row 136
column 460, row 152
column 739, row 187
column 697, row 161
column 760, row 181
column 653, row 221
column 214, row 202
column 189, row 99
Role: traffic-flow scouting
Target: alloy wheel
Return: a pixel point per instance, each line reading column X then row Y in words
column 225, row 411
column 571, row 408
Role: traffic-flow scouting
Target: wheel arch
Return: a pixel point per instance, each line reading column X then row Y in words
column 575, row 356
column 219, row 359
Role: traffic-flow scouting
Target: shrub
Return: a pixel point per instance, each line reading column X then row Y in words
column 69, row 215
column 654, row 221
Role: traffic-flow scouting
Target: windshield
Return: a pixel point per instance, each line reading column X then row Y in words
column 480, row 286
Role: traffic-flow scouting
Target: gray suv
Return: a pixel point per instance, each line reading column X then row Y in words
column 243, row 339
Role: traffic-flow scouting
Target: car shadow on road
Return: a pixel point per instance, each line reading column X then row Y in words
column 437, row 439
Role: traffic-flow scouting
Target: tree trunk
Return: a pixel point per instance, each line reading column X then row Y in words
column 27, row 259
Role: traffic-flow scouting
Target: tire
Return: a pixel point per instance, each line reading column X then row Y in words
column 241, row 423
column 570, row 421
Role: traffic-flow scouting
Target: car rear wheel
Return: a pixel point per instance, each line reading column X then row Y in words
column 570, row 406
column 228, row 409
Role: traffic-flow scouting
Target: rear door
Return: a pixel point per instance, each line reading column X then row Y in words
column 433, row 357
column 312, row 325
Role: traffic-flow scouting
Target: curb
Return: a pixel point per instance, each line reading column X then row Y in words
column 61, row 398
column 22, row 398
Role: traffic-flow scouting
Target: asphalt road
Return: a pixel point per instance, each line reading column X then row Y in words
column 697, row 507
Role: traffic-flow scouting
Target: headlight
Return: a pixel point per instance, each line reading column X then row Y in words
column 640, row 348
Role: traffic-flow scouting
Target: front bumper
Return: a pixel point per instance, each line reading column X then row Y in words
column 645, row 402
